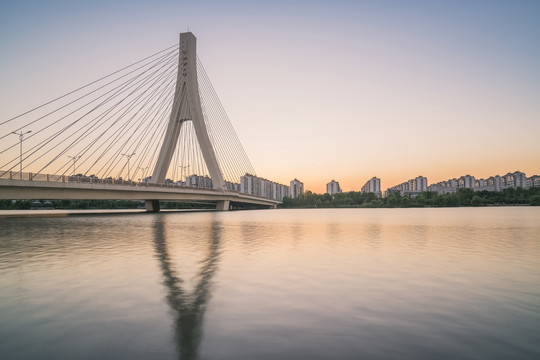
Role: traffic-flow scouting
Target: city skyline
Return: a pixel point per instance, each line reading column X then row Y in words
column 384, row 88
column 419, row 184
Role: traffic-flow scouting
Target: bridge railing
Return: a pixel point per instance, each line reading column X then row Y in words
column 28, row 176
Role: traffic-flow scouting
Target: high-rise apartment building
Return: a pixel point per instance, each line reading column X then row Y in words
column 296, row 188
column 533, row 181
column 333, row 187
column 373, row 186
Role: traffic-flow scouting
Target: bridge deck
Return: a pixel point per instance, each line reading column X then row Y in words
column 28, row 186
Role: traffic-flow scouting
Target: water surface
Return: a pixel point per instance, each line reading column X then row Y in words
column 273, row 284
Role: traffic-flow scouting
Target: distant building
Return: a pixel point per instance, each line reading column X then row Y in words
column 296, row 188
column 515, row 180
column 254, row 185
column 246, row 184
column 451, row 185
column 232, row 186
column 412, row 187
column 373, row 186
column 533, row 181
column 492, row 183
column 466, row 182
column 199, row 181
column 333, row 187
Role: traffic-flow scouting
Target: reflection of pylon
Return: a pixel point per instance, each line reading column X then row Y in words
column 187, row 106
column 189, row 309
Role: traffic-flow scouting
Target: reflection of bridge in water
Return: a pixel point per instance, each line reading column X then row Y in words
column 188, row 308
column 160, row 114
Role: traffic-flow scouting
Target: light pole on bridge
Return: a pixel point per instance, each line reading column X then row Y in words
column 74, row 158
column 128, row 156
column 182, row 172
column 21, row 138
column 143, row 171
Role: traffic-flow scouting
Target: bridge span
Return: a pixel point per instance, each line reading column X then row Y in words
column 27, row 186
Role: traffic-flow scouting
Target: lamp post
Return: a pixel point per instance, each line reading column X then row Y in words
column 21, row 138
column 182, row 172
column 74, row 158
column 128, row 156
column 143, row 171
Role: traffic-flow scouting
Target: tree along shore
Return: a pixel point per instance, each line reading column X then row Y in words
column 95, row 204
column 462, row 197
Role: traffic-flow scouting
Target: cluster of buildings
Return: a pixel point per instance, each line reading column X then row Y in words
column 249, row 184
column 412, row 187
column 419, row 184
column 373, row 185
column 516, row 179
column 254, row 185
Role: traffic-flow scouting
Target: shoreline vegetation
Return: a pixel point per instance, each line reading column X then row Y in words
column 461, row 198
column 351, row 199
column 96, row 205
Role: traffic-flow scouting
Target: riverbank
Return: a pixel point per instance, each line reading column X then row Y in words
column 461, row 198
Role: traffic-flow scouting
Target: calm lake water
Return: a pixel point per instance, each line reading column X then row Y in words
column 460, row 283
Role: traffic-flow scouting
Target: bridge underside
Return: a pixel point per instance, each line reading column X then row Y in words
column 28, row 190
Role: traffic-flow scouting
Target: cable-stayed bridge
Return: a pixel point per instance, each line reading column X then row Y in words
column 154, row 130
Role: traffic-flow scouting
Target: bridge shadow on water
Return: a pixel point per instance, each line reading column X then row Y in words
column 188, row 308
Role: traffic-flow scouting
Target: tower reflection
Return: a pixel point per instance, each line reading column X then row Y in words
column 188, row 308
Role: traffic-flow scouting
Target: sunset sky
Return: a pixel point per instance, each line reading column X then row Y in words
column 316, row 90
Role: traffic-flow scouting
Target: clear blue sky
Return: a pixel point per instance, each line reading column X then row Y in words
column 352, row 89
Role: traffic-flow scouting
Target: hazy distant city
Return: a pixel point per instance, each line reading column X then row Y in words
column 257, row 186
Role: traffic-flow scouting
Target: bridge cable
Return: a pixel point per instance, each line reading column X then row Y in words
column 223, row 129
column 85, row 86
column 129, row 106
column 108, row 140
column 92, row 110
column 208, row 111
column 47, row 140
column 121, row 130
column 225, row 124
column 87, row 94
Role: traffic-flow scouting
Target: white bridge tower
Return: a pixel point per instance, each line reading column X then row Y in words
column 187, row 107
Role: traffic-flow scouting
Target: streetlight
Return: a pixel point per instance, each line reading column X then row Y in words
column 143, row 171
column 182, row 173
column 128, row 156
column 21, row 138
column 74, row 158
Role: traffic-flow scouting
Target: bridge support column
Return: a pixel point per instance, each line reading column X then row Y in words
column 152, row 205
column 223, row 205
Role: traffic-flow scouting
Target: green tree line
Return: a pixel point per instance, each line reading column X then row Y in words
column 98, row 204
column 462, row 197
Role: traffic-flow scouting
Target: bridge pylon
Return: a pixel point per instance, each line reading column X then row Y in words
column 186, row 107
